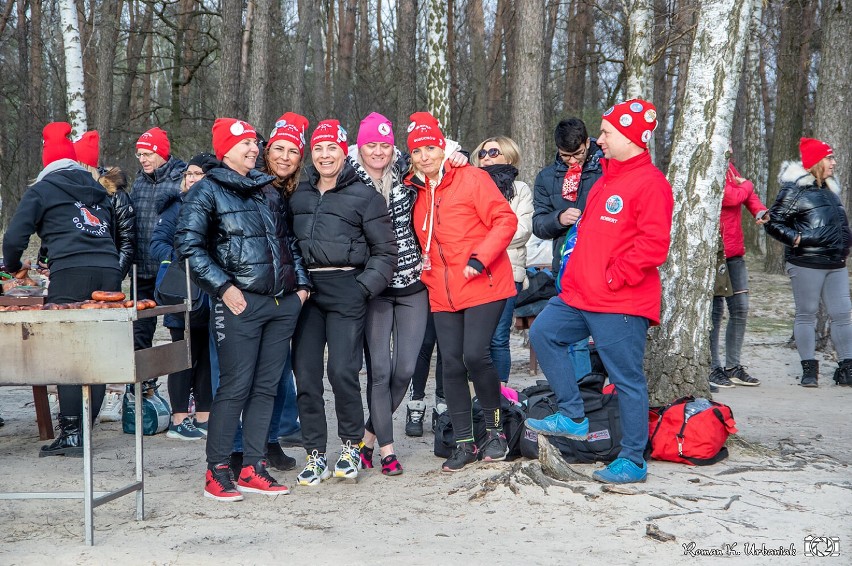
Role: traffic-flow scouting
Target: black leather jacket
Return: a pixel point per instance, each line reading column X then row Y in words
column 234, row 230
column 814, row 212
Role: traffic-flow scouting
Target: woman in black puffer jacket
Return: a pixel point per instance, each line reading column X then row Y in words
column 233, row 230
column 810, row 221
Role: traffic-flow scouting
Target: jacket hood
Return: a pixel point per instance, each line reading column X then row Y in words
column 793, row 172
column 58, row 165
column 230, row 179
column 78, row 184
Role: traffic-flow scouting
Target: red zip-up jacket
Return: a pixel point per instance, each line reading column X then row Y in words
column 730, row 222
column 622, row 239
column 472, row 220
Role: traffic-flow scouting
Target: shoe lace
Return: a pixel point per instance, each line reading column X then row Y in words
column 351, row 454
column 617, row 466
column 315, row 462
column 416, row 416
column 189, row 425
column 262, row 473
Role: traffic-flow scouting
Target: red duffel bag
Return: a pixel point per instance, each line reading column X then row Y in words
column 690, row 431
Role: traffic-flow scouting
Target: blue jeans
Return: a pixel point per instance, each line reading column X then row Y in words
column 579, row 352
column 620, row 341
column 501, row 357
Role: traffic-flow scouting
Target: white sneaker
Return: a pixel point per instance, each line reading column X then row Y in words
column 111, row 408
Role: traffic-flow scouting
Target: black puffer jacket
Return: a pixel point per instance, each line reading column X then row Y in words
column 347, row 226
column 814, row 212
column 549, row 204
column 115, row 182
column 234, row 230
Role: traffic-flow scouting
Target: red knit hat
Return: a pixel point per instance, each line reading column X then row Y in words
column 87, row 148
column 636, row 119
column 228, row 132
column 330, row 131
column 424, row 130
column 813, row 151
column 155, row 140
column 55, row 143
column 291, row 127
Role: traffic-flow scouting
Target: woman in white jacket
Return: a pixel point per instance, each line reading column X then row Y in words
column 499, row 156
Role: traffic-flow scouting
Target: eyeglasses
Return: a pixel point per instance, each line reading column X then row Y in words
column 146, row 156
column 492, row 153
column 576, row 156
column 188, row 174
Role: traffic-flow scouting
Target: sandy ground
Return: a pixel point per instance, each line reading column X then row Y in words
column 788, row 477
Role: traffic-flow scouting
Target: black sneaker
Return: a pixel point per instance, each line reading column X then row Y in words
column 494, row 448
column 464, row 454
column 415, row 412
column 278, row 459
column 738, row 376
column 236, row 464
column 720, row 379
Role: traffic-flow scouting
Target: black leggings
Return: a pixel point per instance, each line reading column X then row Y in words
column 424, row 359
column 465, row 341
column 195, row 379
column 70, row 286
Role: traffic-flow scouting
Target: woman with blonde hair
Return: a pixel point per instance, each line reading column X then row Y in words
column 499, row 157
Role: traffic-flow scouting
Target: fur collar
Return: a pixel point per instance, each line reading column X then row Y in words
column 793, row 172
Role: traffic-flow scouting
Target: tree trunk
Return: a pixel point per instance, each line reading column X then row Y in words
column 478, row 72
column 575, row 73
column 527, row 122
column 791, row 89
column 405, row 64
column 833, row 114
column 438, row 76
column 75, row 89
column 547, row 95
column 123, row 120
column 259, row 68
column 495, row 67
column 639, row 65
column 345, row 59
column 303, row 35
column 110, row 12
column 245, row 43
column 753, row 163
column 678, row 353
column 228, row 100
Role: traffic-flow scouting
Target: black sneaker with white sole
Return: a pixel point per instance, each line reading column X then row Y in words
column 739, row 376
column 720, row 379
column 494, row 448
column 464, row 454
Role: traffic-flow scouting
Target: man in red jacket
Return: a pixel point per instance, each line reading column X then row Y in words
column 739, row 192
column 612, row 289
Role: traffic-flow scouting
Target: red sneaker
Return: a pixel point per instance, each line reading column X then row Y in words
column 366, row 455
column 255, row 479
column 391, row 466
column 219, row 484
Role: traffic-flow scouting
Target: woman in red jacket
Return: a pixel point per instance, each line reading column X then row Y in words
column 739, row 192
column 464, row 225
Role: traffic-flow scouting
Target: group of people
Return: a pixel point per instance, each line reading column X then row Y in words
column 373, row 254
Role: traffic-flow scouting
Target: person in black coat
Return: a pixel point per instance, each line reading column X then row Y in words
column 74, row 218
column 233, row 230
column 809, row 219
column 348, row 244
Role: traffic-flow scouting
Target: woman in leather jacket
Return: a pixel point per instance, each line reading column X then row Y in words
column 233, row 231
column 809, row 219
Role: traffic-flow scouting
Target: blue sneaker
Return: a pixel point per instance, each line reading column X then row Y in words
column 558, row 424
column 622, row 470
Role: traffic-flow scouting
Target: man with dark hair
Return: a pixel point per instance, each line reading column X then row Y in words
column 559, row 198
column 561, row 188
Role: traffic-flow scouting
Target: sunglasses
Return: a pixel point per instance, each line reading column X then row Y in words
column 492, row 153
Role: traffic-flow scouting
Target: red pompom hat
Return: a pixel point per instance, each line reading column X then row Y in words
column 813, row 151
column 424, row 130
column 228, row 132
column 330, row 131
column 291, row 127
column 55, row 143
column 87, row 148
column 636, row 119
column 155, row 140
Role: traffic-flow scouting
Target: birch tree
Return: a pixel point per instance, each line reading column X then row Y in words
column 638, row 64
column 438, row 76
column 678, row 354
column 527, row 112
column 75, row 89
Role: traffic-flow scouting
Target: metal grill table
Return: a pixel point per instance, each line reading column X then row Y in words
column 87, row 347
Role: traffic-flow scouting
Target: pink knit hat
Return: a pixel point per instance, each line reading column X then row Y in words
column 375, row 128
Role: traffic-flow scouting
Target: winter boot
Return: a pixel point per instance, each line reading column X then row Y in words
column 414, row 418
column 810, row 373
column 843, row 374
column 69, row 442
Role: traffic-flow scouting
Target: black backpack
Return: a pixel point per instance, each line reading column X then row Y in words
column 513, row 421
column 604, row 441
